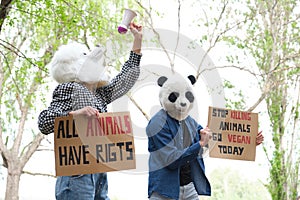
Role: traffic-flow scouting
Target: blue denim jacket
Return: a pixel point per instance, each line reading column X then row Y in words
column 167, row 155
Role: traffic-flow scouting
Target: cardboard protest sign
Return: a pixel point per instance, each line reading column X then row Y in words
column 93, row 145
column 233, row 134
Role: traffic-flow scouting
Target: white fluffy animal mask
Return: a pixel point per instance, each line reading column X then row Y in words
column 74, row 62
column 176, row 95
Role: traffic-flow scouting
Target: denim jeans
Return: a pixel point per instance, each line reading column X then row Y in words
column 187, row 192
column 82, row 187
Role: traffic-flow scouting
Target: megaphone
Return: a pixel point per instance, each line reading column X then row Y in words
column 127, row 18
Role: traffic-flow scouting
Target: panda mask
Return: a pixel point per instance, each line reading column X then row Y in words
column 176, row 95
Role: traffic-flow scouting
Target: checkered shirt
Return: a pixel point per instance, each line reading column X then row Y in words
column 72, row 96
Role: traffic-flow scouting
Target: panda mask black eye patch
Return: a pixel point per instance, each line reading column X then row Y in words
column 189, row 95
column 173, row 96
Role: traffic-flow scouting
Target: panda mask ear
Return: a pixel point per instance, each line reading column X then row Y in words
column 161, row 80
column 192, row 79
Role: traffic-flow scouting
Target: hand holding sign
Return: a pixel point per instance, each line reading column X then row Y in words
column 259, row 138
column 205, row 135
column 86, row 111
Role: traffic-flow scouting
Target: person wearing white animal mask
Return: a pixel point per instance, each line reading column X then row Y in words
column 79, row 73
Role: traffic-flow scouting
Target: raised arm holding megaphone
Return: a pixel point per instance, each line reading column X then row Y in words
column 135, row 29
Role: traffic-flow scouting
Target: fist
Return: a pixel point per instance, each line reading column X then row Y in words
column 205, row 136
column 87, row 111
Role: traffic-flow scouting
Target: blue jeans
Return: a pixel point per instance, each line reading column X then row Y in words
column 82, row 187
column 187, row 192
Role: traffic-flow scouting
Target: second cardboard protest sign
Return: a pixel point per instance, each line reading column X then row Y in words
column 92, row 145
column 233, row 134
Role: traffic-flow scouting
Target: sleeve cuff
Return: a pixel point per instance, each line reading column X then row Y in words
column 136, row 58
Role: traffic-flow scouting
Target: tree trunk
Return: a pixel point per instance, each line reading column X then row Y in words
column 13, row 180
column 4, row 10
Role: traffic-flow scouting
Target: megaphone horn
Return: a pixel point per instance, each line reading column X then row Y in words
column 127, row 19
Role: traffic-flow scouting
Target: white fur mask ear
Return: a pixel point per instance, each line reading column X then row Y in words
column 92, row 67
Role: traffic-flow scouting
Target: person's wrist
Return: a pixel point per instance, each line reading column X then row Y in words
column 201, row 143
column 137, row 37
column 137, row 46
column 137, row 51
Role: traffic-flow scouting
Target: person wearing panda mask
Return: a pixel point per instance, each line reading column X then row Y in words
column 175, row 143
column 84, row 91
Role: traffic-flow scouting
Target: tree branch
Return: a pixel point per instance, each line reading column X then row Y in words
column 260, row 99
column 151, row 24
column 31, row 149
column 3, row 149
column 24, row 109
column 178, row 34
column 38, row 174
column 24, row 113
column 138, row 106
column 17, row 51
